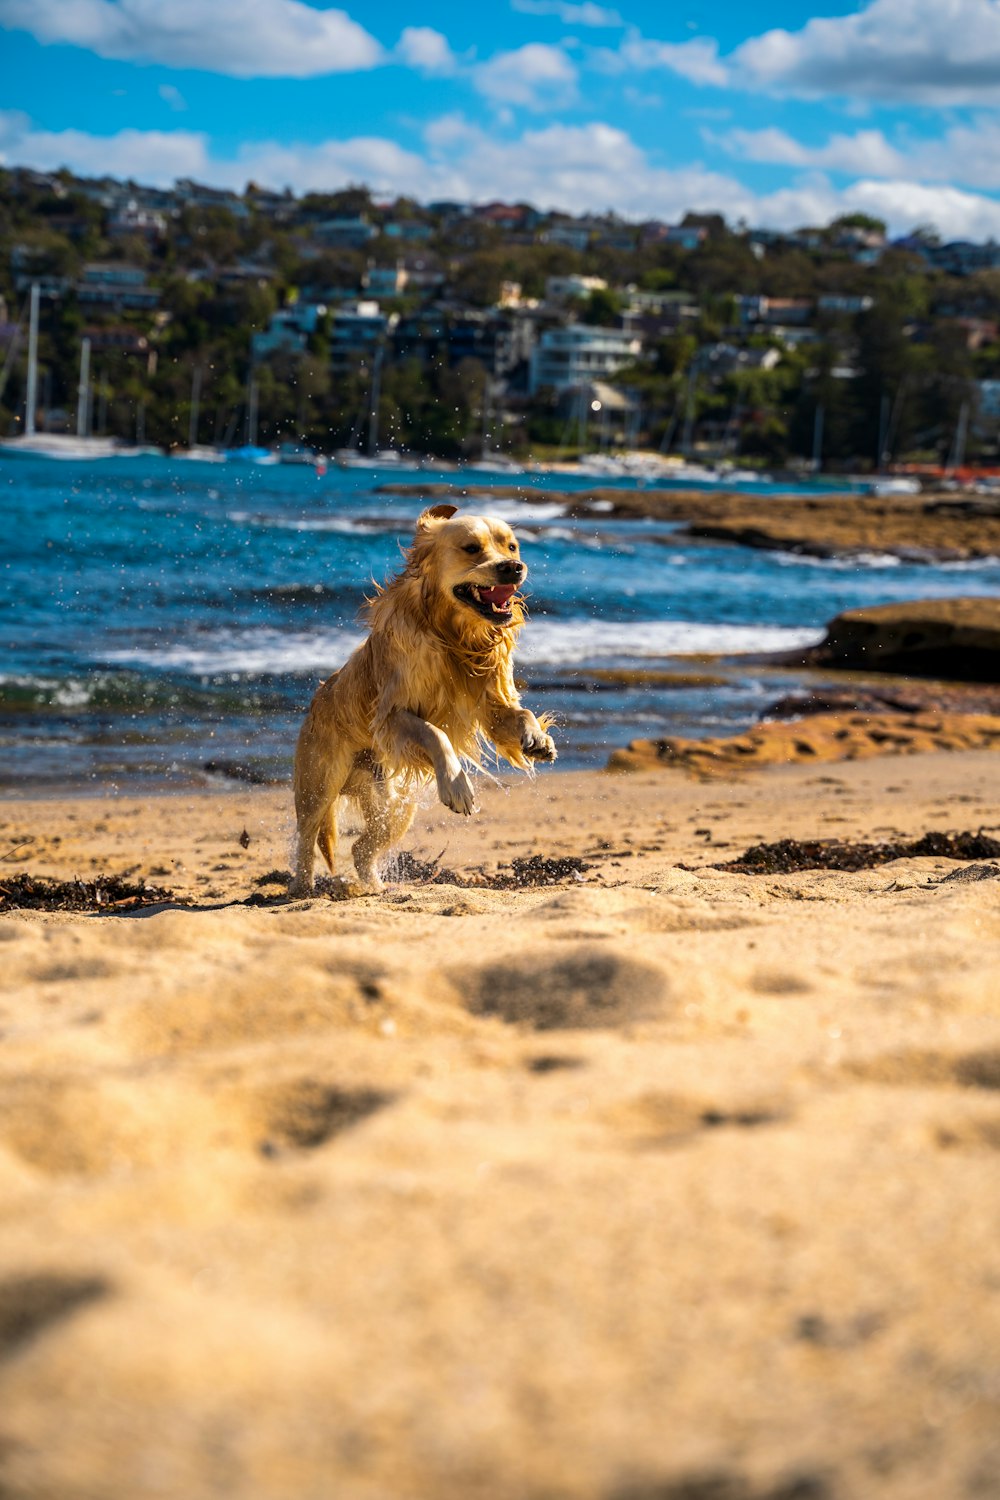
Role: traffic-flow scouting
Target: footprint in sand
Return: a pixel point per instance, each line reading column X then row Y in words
column 655, row 1119
column 975, row 1133
column 723, row 1485
column 587, row 987
column 306, row 1113
column 923, row 1069
column 34, row 1301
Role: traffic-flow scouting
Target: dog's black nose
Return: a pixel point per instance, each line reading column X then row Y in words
column 510, row 572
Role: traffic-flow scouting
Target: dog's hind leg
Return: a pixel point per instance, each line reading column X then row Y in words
column 319, row 780
column 387, row 815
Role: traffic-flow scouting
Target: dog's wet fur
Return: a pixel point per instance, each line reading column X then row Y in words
column 432, row 685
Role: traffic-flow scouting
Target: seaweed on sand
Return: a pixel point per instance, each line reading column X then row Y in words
column 788, row 855
column 26, row 892
column 520, row 874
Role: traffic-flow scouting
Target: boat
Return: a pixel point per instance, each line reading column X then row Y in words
column 63, row 445
column 251, row 454
column 297, row 453
column 894, row 485
column 352, row 458
column 200, row 454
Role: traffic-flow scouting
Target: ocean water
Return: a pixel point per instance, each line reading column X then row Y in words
column 161, row 616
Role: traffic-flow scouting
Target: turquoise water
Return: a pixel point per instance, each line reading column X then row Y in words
column 160, row 615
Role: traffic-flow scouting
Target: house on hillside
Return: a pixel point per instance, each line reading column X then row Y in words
column 356, row 332
column 116, row 285
column 578, row 354
column 570, row 288
column 131, row 220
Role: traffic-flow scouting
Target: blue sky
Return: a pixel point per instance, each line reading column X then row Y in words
column 775, row 113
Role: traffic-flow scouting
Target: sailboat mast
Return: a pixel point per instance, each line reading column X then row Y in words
column 83, row 393
column 373, row 401
column 32, row 396
column 252, row 413
column 195, row 402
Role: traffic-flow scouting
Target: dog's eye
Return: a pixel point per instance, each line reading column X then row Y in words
column 512, row 547
column 471, row 548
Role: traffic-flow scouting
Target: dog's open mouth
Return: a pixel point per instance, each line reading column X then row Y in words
column 494, row 604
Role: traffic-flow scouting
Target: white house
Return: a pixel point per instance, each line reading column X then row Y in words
column 580, row 354
column 565, row 288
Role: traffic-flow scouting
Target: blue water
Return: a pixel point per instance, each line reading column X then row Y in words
column 160, row 615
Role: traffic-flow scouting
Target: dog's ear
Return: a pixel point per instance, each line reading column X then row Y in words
column 434, row 515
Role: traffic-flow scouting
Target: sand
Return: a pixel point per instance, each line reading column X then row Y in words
column 658, row 1184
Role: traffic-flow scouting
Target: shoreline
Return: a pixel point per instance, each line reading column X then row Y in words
column 932, row 528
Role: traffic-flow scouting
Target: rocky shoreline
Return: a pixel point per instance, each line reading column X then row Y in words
column 945, row 695
column 957, row 639
column 933, row 527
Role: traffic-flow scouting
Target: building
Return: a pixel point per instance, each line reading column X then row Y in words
column 421, row 335
column 131, row 220
column 962, row 258
column 681, row 236
column 845, row 306
column 773, row 312
column 277, row 206
column 717, row 360
column 117, row 339
column 343, row 233
column 578, row 354
column 501, row 344
column 411, row 231
column 423, row 272
column 288, row 331
column 356, row 332
column 116, row 285
column 191, row 194
column 615, row 237
column 571, row 235
column 568, row 288
column 385, row 281
column 659, row 310
column 988, row 413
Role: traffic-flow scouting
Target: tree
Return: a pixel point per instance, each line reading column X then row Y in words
column 858, row 221
column 602, row 308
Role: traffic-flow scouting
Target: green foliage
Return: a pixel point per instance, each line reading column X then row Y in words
column 859, row 221
column 602, row 308
column 901, row 370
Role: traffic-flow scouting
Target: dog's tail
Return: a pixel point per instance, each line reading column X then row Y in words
column 326, row 838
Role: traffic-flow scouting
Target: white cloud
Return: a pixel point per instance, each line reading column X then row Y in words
column 569, row 13
column 172, row 96
column 593, row 167
column 157, row 157
column 426, row 50
column 868, row 151
column 966, row 154
column 935, row 52
column 535, row 77
column 243, row 38
column 697, row 60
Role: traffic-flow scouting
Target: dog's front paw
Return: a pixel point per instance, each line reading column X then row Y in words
column 537, row 745
column 457, row 793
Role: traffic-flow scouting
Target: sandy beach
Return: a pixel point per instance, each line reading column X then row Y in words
column 661, row 1181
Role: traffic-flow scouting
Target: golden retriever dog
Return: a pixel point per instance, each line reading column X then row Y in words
column 433, row 683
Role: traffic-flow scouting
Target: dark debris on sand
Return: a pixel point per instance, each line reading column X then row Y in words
column 789, row 855
column 520, row 874
column 25, row 892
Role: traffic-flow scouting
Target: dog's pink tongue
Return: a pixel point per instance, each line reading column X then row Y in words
column 499, row 595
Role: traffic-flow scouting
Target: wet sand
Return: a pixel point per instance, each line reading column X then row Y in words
column 658, row 1182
